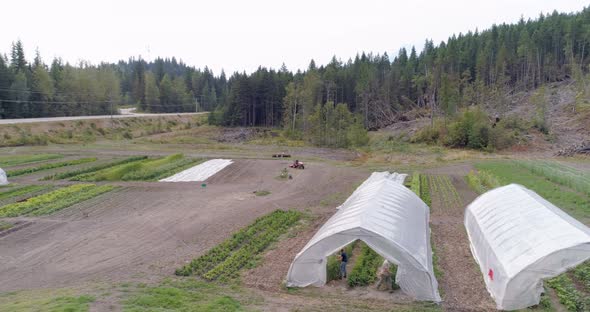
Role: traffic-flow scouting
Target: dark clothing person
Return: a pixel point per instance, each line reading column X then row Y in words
column 343, row 261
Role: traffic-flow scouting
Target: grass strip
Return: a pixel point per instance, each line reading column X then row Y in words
column 509, row 172
column 54, row 201
column 558, row 173
column 6, row 161
column 79, row 172
column 13, row 173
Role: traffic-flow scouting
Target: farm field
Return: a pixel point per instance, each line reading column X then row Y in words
column 126, row 241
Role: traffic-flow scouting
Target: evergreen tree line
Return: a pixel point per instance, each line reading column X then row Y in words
column 480, row 67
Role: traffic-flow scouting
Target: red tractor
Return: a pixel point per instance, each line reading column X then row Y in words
column 297, row 165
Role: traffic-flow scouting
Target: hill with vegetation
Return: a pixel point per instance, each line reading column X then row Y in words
column 469, row 88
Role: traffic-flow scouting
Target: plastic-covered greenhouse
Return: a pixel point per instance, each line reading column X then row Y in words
column 518, row 238
column 391, row 220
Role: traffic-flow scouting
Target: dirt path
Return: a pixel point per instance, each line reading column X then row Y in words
column 462, row 284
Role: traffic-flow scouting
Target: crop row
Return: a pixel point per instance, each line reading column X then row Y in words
column 6, row 161
column 419, row 185
column 443, row 186
column 482, row 181
column 582, row 274
column 162, row 171
column 139, row 170
column 226, row 259
column 568, row 295
column 560, row 174
column 425, row 190
column 22, row 190
column 73, row 174
column 54, row 201
column 366, row 268
column 17, row 172
column 415, row 183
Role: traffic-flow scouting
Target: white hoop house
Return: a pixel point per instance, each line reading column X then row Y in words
column 518, row 238
column 390, row 219
column 3, row 177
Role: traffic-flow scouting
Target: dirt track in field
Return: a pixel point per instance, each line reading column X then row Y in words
column 145, row 230
column 462, row 284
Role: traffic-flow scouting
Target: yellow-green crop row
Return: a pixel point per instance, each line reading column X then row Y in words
column 54, row 201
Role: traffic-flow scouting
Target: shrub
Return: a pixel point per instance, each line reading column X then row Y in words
column 472, row 128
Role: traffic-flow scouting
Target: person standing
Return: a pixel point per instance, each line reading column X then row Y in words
column 343, row 262
column 384, row 275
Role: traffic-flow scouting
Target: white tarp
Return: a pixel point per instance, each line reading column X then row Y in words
column 3, row 178
column 518, row 238
column 376, row 176
column 200, row 172
column 389, row 218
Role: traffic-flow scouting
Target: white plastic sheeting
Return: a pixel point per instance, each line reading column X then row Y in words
column 3, row 177
column 390, row 219
column 376, row 176
column 200, row 172
column 518, row 239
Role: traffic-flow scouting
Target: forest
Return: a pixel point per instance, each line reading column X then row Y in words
column 370, row 91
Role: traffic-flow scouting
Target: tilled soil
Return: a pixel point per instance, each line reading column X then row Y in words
column 147, row 229
column 462, row 284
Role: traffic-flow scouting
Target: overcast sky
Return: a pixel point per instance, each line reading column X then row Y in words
column 241, row 35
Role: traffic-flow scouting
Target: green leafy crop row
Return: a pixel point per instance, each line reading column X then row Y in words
column 568, row 295
column 6, row 161
column 17, row 172
column 54, row 201
column 226, row 259
column 582, row 273
column 365, row 269
column 74, row 174
column 151, row 172
column 143, row 169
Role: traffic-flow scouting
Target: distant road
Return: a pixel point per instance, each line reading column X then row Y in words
column 125, row 113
